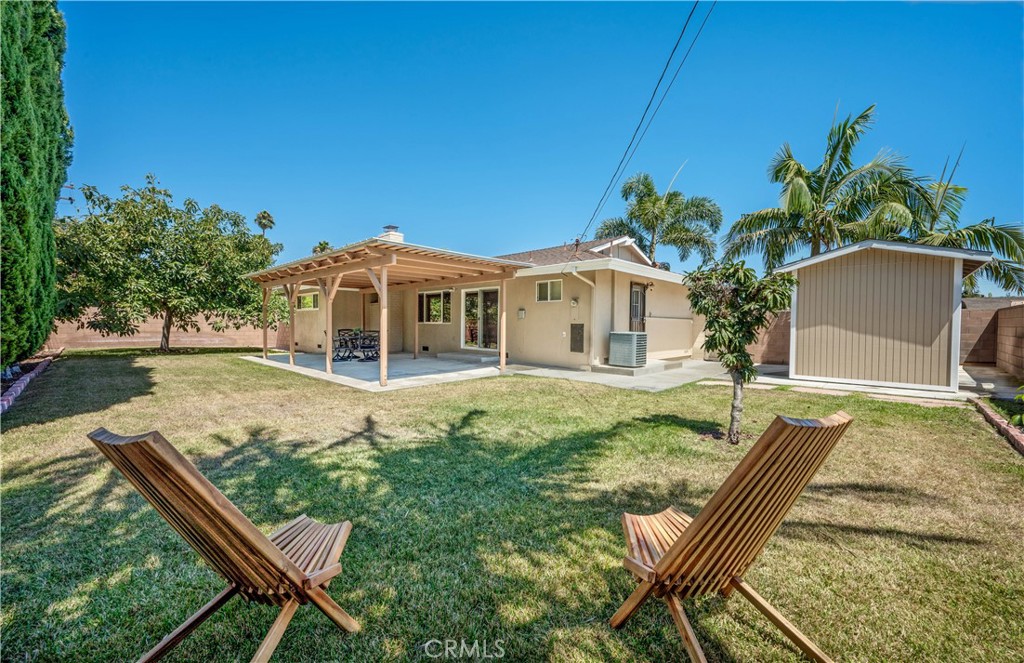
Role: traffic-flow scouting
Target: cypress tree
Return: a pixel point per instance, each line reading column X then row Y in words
column 35, row 152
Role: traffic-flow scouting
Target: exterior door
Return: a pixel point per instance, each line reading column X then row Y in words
column 637, row 307
column 480, row 319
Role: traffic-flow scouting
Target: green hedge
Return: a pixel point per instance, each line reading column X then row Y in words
column 35, row 152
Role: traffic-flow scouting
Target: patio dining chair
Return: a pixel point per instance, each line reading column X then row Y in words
column 290, row 568
column 676, row 557
column 369, row 345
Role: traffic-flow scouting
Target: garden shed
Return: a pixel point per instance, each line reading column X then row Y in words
column 880, row 313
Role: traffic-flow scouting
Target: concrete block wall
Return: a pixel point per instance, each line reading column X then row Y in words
column 67, row 335
column 1010, row 341
column 978, row 335
column 772, row 346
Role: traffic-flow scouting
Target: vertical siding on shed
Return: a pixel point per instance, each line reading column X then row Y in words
column 875, row 315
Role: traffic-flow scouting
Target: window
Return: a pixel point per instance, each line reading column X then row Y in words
column 307, row 302
column 435, row 307
column 549, row 291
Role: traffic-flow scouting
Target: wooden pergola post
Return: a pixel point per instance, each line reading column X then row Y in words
column 328, row 289
column 416, row 328
column 502, row 315
column 384, row 326
column 266, row 299
column 292, row 291
column 381, row 286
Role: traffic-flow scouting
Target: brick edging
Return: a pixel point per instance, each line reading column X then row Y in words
column 1012, row 434
column 19, row 386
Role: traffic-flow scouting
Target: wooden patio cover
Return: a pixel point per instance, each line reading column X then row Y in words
column 379, row 265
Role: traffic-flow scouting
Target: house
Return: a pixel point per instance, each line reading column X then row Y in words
column 553, row 306
column 880, row 313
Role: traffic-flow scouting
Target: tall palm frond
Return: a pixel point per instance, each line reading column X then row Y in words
column 821, row 208
column 688, row 224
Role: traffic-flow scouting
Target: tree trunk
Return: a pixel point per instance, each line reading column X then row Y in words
column 652, row 247
column 165, row 334
column 815, row 246
column 737, row 408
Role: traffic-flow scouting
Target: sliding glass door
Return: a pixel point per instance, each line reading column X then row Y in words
column 480, row 319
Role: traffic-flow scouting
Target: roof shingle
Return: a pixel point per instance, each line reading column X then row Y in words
column 554, row 255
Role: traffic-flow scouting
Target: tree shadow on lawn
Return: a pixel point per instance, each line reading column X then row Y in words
column 463, row 535
column 75, row 385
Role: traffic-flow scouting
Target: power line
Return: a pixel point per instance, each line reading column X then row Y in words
column 632, row 147
column 654, row 93
column 669, row 86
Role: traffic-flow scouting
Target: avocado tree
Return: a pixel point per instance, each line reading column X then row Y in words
column 737, row 305
column 139, row 256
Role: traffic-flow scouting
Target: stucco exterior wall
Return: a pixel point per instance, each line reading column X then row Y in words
column 1010, row 341
column 542, row 336
column 351, row 310
column 876, row 315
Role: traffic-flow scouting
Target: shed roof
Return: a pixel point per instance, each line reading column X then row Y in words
column 973, row 259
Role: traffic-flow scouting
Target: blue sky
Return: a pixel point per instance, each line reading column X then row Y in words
column 493, row 128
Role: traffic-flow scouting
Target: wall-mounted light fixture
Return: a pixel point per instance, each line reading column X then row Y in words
column 521, row 314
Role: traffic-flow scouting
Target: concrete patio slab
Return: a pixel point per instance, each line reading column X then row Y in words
column 691, row 370
column 404, row 372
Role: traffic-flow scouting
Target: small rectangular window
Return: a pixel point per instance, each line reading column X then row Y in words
column 549, row 291
column 435, row 307
column 307, row 302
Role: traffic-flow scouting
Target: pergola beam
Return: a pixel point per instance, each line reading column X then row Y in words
column 441, row 283
column 333, row 270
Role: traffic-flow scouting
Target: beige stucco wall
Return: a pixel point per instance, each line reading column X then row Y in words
column 351, row 310
column 542, row 336
column 876, row 315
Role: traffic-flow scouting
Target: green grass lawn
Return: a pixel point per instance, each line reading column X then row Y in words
column 489, row 510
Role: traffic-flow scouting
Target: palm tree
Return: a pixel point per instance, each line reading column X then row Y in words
column 322, row 247
column 935, row 221
column 817, row 205
column 264, row 221
column 688, row 224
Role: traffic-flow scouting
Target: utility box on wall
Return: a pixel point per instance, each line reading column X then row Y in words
column 576, row 337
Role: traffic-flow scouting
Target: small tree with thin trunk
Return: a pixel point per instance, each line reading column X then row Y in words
column 737, row 305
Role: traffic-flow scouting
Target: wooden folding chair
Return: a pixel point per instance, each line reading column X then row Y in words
column 290, row 568
column 676, row 558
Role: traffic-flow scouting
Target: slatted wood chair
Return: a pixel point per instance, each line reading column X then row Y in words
column 292, row 567
column 677, row 558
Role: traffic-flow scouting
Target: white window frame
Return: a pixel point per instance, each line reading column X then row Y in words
column 314, row 298
column 421, row 306
column 462, row 317
column 561, row 291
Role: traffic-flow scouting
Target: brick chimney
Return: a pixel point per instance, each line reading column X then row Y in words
column 391, row 234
